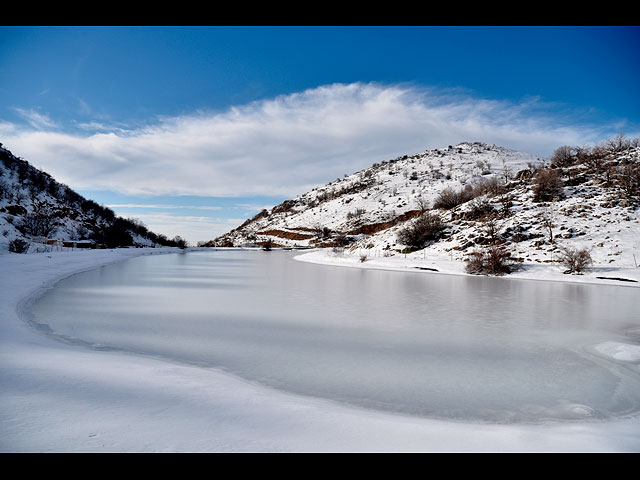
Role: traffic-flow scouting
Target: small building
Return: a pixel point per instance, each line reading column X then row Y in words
column 79, row 244
column 59, row 243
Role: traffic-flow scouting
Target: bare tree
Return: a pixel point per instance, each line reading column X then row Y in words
column 507, row 171
column 619, row 143
column 547, row 185
column 548, row 221
column 423, row 204
column 628, row 179
column 41, row 222
column 562, row 156
column 79, row 233
column 582, row 152
column 180, row 242
column 597, row 158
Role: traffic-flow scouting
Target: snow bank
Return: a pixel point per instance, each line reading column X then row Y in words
column 602, row 275
column 622, row 352
column 64, row 398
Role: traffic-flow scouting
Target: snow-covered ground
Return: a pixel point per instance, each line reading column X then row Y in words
column 65, row 398
column 442, row 264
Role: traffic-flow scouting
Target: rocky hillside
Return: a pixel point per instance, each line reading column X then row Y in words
column 480, row 195
column 35, row 206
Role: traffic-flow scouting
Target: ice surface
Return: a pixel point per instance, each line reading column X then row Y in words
column 497, row 350
column 56, row 397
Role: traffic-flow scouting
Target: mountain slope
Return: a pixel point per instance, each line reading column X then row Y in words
column 380, row 194
column 483, row 194
column 33, row 205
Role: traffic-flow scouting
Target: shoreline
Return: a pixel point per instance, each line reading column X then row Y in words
column 60, row 398
column 531, row 271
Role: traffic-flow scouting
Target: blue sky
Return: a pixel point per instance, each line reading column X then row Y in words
column 192, row 130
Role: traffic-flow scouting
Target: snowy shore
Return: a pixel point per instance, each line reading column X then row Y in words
column 627, row 276
column 56, row 397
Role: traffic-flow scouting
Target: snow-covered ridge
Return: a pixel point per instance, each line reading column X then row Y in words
column 364, row 212
column 381, row 193
column 35, row 208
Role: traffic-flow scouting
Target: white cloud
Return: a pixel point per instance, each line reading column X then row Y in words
column 36, row 119
column 287, row 145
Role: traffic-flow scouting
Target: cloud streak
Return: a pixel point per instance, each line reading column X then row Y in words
column 164, row 206
column 36, row 119
column 289, row 144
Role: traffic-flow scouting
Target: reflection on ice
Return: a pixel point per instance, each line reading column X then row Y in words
column 444, row 346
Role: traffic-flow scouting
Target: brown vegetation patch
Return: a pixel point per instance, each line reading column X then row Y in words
column 373, row 228
column 285, row 234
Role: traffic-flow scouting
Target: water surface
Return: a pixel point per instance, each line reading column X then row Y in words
column 471, row 348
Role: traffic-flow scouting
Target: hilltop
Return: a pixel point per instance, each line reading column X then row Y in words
column 480, row 195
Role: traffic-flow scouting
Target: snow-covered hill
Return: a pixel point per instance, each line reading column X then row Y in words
column 34, row 206
column 483, row 194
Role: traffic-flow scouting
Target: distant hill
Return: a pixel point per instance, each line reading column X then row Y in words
column 33, row 205
column 481, row 195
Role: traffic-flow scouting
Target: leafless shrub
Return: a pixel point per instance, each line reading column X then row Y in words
column 321, row 232
column 357, row 213
column 547, row 185
column 427, row 227
column 450, row 198
column 342, row 240
column 479, row 209
column 363, row 258
column 575, row 260
column 18, row 245
column 491, row 261
column 491, row 186
column 506, row 202
column 5, row 189
column 490, row 227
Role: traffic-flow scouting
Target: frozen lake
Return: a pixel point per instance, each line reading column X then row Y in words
column 468, row 348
